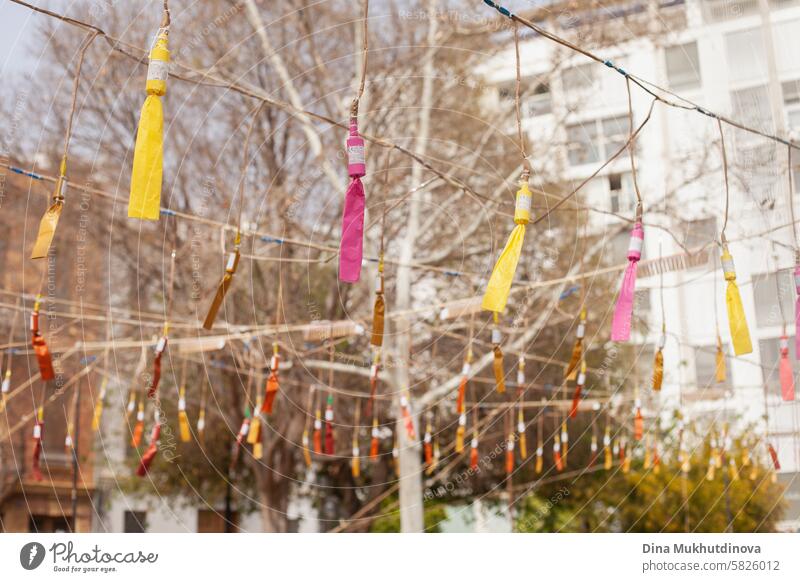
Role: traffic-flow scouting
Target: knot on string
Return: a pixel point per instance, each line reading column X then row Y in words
column 610, row 64
column 501, row 9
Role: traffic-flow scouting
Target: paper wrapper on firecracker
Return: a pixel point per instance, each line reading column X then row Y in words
column 160, row 347
column 462, row 427
column 318, row 433
column 427, row 441
column 557, row 454
column 576, row 396
column 658, row 366
column 97, row 416
column 254, row 435
column 222, row 289
column 408, row 421
column 352, row 242
column 593, row 451
column 623, row 312
column 150, row 454
column 577, row 349
column 740, row 334
column 733, row 472
column 38, row 429
column 539, row 460
column 329, row 438
column 719, row 369
column 510, row 454
column 49, row 222
column 183, row 418
column 473, row 455
column 355, row 463
column 773, row 454
column 523, row 441
column 43, row 357
column 272, row 383
column 785, row 372
column 608, row 459
column 638, row 423
column 201, row 425
column 797, row 310
column 379, row 311
column 564, row 443
column 462, row 385
column 148, row 153
column 374, row 444
column 499, row 286
column 138, row 428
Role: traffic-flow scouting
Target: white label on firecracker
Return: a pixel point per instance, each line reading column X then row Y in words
column 157, row 70
column 162, row 343
column 728, row 266
column 462, row 420
column 201, row 424
column 68, row 441
column 593, row 447
column 565, row 436
column 317, row 424
column 245, row 428
column 395, row 452
column 131, row 405
column 305, row 440
column 510, row 445
column 140, row 415
column 33, row 324
column 403, row 401
column 556, row 447
column 662, row 341
column 520, row 426
column 636, row 244
column 37, row 431
column 6, row 385
column 231, row 262
column 637, row 403
column 356, row 452
column 581, row 379
column 356, row 154
column 375, row 432
column 497, row 337
column 581, row 330
column 181, row 403
column 329, row 415
column 474, row 443
column 606, row 441
column 520, row 378
column 274, row 363
column 373, row 371
column 427, row 437
column 523, row 202
column 378, row 284
column 465, row 369
column 784, row 343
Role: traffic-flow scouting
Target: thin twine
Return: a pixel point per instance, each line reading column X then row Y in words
column 727, row 186
column 75, row 84
column 171, row 291
column 526, row 165
column 245, row 162
column 364, row 49
column 791, row 205
column 661, row 293
column 12, row 329
column 166, row 20
column 631, row 148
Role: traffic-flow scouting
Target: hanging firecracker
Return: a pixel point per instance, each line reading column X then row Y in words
column 148, row 153
column 557, row 453
column 499, row 286
column 97, row 415
column 510, row 453
column 593, row 451
column 499, row 372
column 658, row 364
column 437, row 454
column 272, row 381
column 373, row 381
column 740, row 334
column 375, row 443
column 462, row 385
column 352, row 242
column 427, row 441
column 405, row 411
column 355, row 462
column 38, row 428
column 773, row 454
column 231, row 266
column 43, row 357
column 626, row 457
column 576, row 396
column 473, row 453
column 254, row 435
column 49, row 222
column 152, row 449
column 201, row 425
column 607, row 452
column 138, row 429
column 131, row 407
column 460, row 431
column 577, row 349
column 785, row 372
column 719, row 371
column 159, row 351
column 5, row 388
column 623, row 312
column 396, row 457
column 183, row 418
column 797, row 306
column 647, row 462
column 564, row 441
column 523, row 441
column 329, row 438
column 638, row 420
column 379, row 310
column 318, row 431
column 241, row 436
column 306, row 449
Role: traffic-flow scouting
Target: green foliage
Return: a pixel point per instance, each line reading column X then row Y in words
column 389, row 521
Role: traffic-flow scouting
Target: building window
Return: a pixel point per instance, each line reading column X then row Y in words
column 683, row 66
column 767, row 288
column 770, row 350
column 746, row 56
column 135, row 522
column 791, row 101
column 210, row 521
column 579, row 79
column 538, row 101
column 595, row 140
column 621, row 192
column 705, row 367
